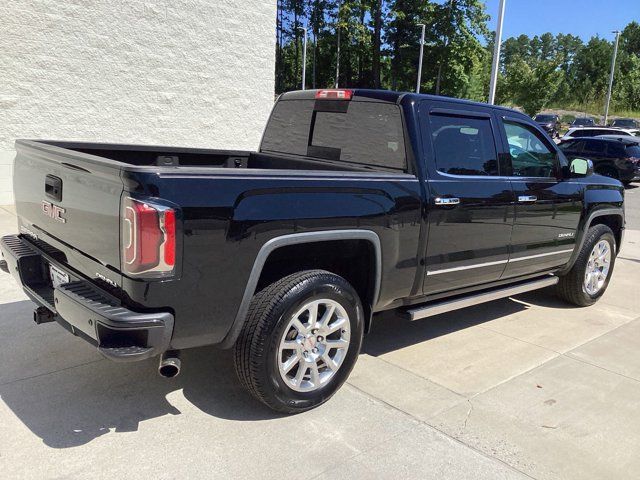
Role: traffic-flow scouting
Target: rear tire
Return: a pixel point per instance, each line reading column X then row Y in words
column 283, row 357
column 590, row 266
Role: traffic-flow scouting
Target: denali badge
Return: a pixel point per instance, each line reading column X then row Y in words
column 53, row 211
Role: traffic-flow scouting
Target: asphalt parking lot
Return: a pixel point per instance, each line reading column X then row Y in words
column 519, row 388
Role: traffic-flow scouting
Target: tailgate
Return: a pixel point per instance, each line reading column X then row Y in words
column 70, row 197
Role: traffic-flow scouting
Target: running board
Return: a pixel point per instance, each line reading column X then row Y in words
column 437, row 308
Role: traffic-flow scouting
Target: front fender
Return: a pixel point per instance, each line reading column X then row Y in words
column 599, row 201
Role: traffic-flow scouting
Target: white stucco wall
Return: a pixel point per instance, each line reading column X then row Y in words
column 171, row 72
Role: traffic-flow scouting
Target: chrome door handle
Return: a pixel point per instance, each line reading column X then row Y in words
column 447, row 201
column 527, row 198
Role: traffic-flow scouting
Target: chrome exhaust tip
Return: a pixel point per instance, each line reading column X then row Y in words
column 169, row 365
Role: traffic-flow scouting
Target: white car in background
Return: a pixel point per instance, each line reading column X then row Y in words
column 577, row 132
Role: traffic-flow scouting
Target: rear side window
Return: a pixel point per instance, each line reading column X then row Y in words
column 364, row 133
column 594, row 146
column 463, row 146
column 572, row 145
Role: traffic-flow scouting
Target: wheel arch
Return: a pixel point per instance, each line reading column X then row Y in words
column 611, row 217
column 260, row 272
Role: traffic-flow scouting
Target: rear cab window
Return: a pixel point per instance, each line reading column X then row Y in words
column 363, row 133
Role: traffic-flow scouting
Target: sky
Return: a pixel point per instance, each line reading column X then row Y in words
column 584, row 18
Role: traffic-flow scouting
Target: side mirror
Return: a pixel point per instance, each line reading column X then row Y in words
column 581, row 167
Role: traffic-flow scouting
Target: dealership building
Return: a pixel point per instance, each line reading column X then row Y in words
column 196, row 73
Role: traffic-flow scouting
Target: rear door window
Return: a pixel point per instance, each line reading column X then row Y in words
column 463, row 145
column 595, row 147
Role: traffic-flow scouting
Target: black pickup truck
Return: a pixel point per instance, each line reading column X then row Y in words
column 356, row 202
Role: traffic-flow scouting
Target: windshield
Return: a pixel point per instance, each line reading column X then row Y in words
column 583, row 121
column 624, row 123
column 544, row 118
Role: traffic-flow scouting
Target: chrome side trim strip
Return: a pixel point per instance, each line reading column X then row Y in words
column 529, row 257
column 466, row 267
column 449, row 305
column 499, row 262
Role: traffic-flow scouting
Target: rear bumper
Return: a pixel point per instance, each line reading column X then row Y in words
column 85, row 309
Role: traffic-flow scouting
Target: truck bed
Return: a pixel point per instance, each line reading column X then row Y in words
column 165, row 156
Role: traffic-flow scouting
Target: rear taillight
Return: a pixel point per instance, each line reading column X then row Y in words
column 334, row 94
column 148, row 239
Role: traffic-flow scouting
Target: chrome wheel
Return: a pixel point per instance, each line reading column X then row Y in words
column 314, row 345
column 598, row 266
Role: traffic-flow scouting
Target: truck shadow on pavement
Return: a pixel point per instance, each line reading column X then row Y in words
column 69, row 395
column 389, row 333
column 70, row 401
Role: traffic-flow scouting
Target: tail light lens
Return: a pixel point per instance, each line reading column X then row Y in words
column 148, row 239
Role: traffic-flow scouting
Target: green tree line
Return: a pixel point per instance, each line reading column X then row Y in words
column 375, row 44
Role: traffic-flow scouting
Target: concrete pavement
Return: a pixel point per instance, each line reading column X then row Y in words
column 518, row 388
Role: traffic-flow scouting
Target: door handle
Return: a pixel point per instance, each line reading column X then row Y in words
column 447, row 201
column 527, row 198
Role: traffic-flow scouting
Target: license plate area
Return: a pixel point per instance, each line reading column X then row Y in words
column 57, row 276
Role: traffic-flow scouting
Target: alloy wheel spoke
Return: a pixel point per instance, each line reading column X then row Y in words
column 337, row 325
column 315, row 374
column 302, row 370
column 297, row 324
column 313, row 316
column 329, row 362
column 327, row 316
column 291, row 362
column 290, row 345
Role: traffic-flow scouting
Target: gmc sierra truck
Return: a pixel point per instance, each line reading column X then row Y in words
column 357, row 202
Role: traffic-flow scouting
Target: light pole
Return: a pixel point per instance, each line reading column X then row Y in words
column 420, row 60
column 496, row 55
column 613, row 69
column 304, row 57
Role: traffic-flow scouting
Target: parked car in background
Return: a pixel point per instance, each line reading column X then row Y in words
column 550, row 123
column 625, row 123
column 583, row 122
column 578, row 132
column 615, row 156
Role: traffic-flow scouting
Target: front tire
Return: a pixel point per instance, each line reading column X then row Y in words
column 300, row 341
column 589, row 277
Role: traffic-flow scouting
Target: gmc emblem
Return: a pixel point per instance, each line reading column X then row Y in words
column 53, row 211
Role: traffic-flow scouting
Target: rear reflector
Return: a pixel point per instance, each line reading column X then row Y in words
column 148, row 239
column 334, row 94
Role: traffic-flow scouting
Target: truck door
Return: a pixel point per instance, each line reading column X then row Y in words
column 470, row 205
column 547, row 208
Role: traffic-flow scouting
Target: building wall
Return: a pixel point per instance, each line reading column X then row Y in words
column 170, row 72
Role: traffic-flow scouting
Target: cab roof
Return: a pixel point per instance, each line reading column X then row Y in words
column 394, row 97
